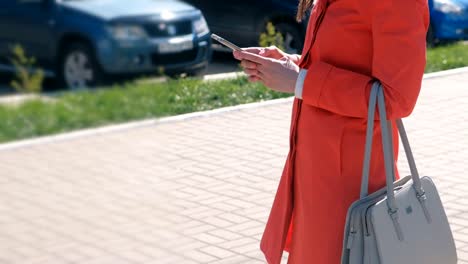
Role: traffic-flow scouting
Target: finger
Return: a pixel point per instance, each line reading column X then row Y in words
column 261, row 74
column 252, row 57
column 254, row 78
column 255, row 72
column 254, row 50
column 285, row 61
column 264, row 52
column 271, row 49
column 251, row 72
column 248, row 64
column 262, row 68
column 236, row 54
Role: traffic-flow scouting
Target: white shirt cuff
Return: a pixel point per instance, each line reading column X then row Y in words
column 300, row 83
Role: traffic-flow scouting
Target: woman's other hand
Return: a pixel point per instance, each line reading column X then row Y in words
column 277, row 74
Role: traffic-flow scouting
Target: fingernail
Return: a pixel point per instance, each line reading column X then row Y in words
column 236, row 54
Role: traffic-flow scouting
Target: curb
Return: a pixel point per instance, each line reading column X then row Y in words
column 178, row 118
column 438, row 74
column 134, row 124
column 221, row 76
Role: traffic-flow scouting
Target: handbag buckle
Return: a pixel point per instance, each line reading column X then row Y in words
column 394, row 216
column 421, row 195
column 422, row 198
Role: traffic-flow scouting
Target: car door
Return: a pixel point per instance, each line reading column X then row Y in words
column 235, row 20
column 5, row 22
column 30, row 24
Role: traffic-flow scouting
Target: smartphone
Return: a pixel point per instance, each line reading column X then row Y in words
column 225, row 42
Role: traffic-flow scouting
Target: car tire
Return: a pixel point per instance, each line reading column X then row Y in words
column 293, row 41
column 78, row 67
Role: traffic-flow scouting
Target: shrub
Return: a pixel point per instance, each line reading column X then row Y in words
column 271, row 37
column 26, row 80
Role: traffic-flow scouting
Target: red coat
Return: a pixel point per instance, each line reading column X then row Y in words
column 349, row 43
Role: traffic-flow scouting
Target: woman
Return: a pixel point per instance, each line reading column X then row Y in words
column 349, row 44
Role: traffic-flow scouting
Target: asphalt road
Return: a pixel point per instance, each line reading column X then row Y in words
column 222, row 63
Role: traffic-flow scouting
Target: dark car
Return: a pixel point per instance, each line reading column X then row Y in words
column 449, row 20
column 242, row 21
column 81, row 41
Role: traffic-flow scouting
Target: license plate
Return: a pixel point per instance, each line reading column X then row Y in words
column 175, row 47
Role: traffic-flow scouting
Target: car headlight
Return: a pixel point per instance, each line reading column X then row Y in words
column 201, row 27
column 447, row 6
column 127, row 32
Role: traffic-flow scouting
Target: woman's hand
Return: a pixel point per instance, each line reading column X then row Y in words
column 277, row 74
column 272, row 52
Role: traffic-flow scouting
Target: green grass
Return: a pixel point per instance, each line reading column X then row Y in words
column 71, row 111
column 137, row 101
column 447, row 57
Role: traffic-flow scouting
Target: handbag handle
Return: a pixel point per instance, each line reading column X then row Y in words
column 377, row 98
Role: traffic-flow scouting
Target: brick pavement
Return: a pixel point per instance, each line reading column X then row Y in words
column 192, row 191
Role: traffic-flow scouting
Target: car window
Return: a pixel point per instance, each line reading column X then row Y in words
column 6, row 3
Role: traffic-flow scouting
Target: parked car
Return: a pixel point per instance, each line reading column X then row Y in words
column 449, row 20
column 242, row 21
column 82, row 41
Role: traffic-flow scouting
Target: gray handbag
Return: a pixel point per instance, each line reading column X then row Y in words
column 402, row 223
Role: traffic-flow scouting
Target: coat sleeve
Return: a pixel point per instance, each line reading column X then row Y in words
column 399, row 57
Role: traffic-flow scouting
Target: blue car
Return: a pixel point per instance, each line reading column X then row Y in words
column 83, row 41
column 449, row 20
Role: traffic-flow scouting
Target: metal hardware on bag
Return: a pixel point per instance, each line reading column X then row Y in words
column 422, row 198
column 352, row 233
column 422, row 194
column 351, row 236
column 392, row 212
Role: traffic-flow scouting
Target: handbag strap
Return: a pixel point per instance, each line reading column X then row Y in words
column 377, row 98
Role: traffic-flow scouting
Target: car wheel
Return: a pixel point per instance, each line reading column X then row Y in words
column 78, row 67
column 292, row 40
